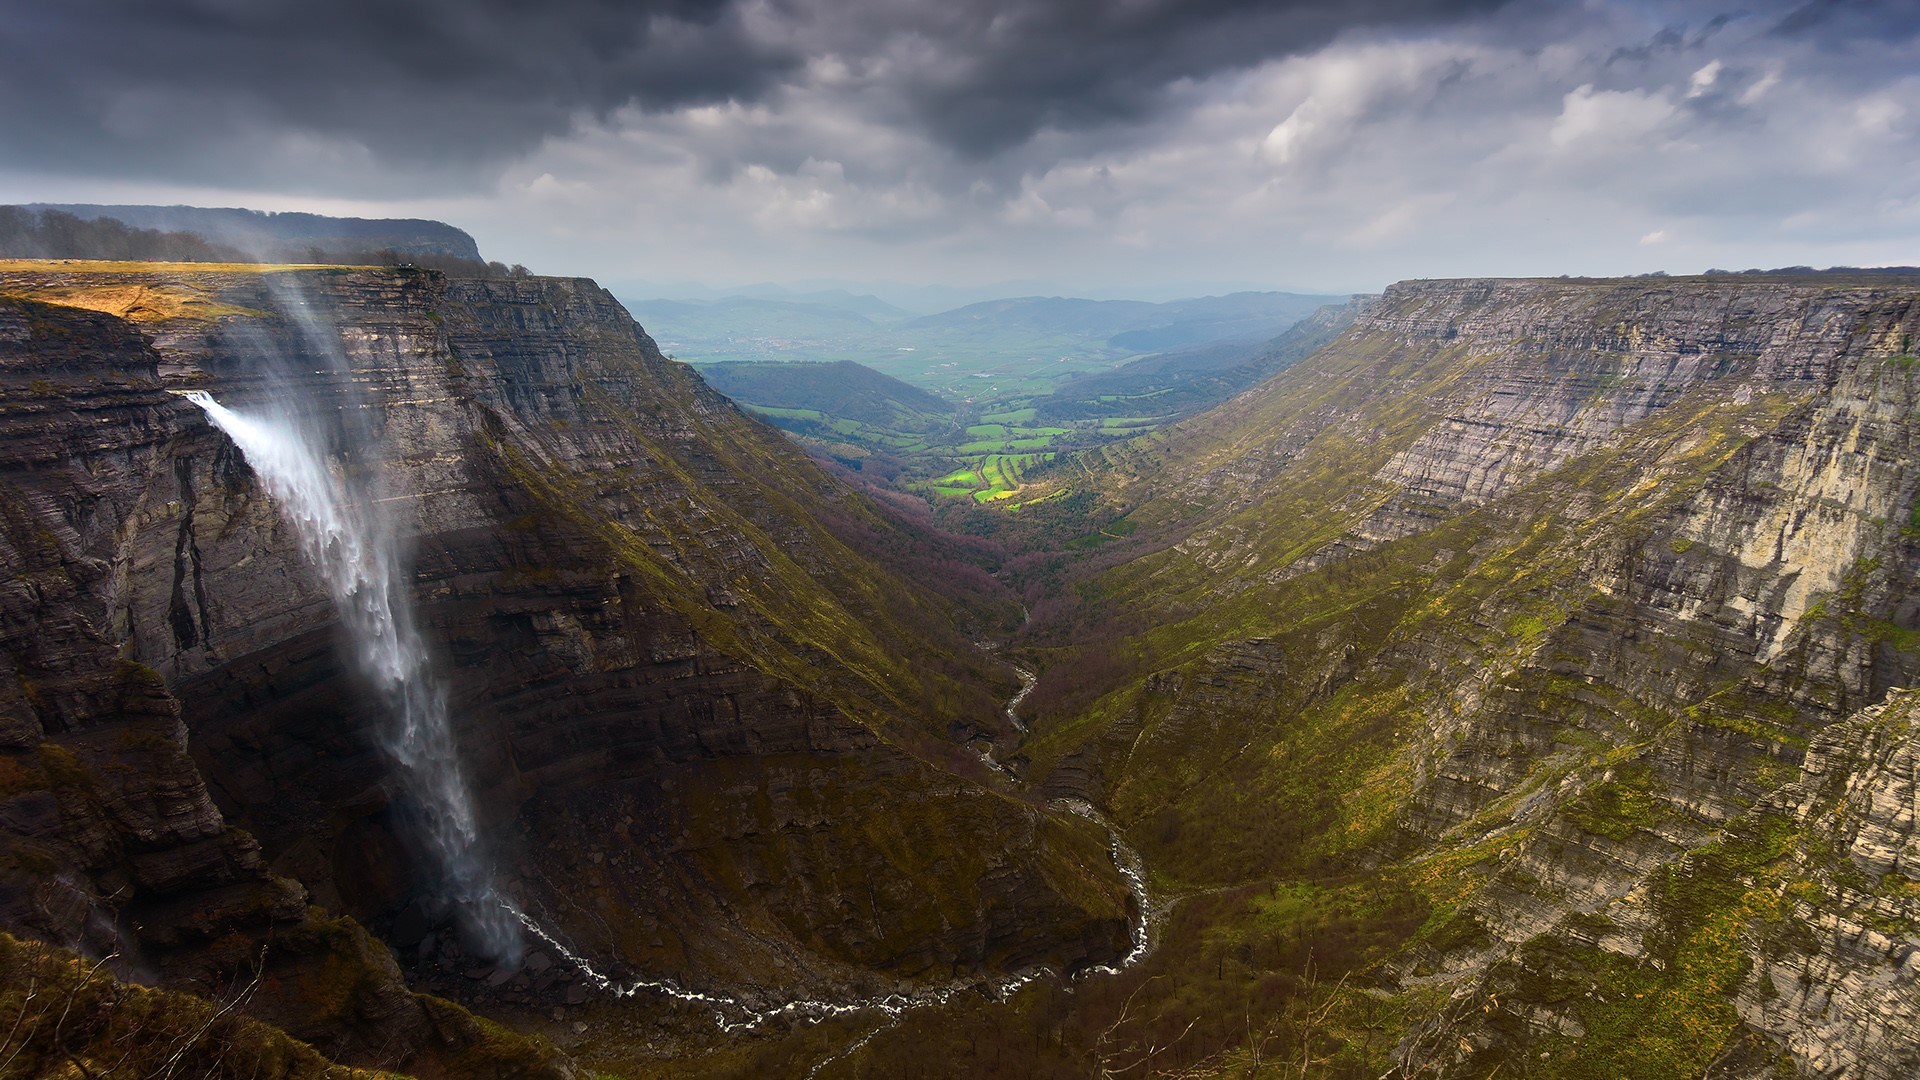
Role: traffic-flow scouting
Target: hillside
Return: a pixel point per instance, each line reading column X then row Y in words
column 843, row 389
column 1174, row 384
column 1531, row 654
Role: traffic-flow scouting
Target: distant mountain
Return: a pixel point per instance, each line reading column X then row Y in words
column 751, row 328
column 1047, row 314
column 1133, row 326
column 910, row 299
column 1184, row 381
column 871, row 307
column 286, row 235
column 750, row 307
column 1003, row 350
column 844, row 390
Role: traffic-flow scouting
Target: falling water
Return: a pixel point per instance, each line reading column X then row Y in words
column 356, row 549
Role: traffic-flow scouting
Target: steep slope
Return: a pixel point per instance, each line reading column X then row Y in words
column 713, row 743
column 1524, row 601
column 1518, row 685
column 110, row 842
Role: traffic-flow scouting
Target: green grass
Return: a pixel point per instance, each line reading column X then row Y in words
column 990, row 478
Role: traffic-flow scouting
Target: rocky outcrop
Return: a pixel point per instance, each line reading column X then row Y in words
column 1838, row 983
column 113, row 845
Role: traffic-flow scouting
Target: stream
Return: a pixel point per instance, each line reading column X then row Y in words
column 733, row 1014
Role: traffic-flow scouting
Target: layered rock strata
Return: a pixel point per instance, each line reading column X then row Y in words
column 1532, row 596
column 710, row 739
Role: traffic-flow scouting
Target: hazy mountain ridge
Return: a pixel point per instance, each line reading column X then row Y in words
column 1019, row 346
column 1131, row 325
column 1173, row 384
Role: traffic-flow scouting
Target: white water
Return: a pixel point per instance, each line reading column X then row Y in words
column 356, row 549
column 734, row 1014
column 1027, row 682
column 1134, row 869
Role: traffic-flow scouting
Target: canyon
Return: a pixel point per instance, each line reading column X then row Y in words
column 1522, row 683
column 647, row 632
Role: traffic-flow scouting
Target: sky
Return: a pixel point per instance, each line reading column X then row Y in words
column 1150, row 148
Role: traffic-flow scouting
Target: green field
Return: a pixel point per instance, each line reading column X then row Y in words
column 989, row 479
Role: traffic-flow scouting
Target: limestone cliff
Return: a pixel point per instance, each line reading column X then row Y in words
column 713, row 742
column 1550, row 607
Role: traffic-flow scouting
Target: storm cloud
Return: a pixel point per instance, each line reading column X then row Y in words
column 206, row 88
column 1315, row 143
column 185, row 88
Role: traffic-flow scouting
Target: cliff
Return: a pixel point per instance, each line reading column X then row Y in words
column 1565, row 615
column 712, row 742
column 1520, row 684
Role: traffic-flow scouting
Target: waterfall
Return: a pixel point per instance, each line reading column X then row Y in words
column 356, row 548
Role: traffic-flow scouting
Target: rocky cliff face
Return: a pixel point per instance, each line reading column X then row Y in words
column 712, row 742
column 1557, row 606
column 1519, row 685
column 112, row 843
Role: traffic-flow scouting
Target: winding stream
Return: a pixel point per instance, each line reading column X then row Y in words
column 734, row 1014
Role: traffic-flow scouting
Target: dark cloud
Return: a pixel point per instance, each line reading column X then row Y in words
column 1846, row 22
column 1007, row 70
column 186, row 88
column 332, row 94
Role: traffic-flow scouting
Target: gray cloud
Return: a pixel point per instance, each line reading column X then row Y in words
column 1841, row 22
column 186, row 88
column 1005, row 70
